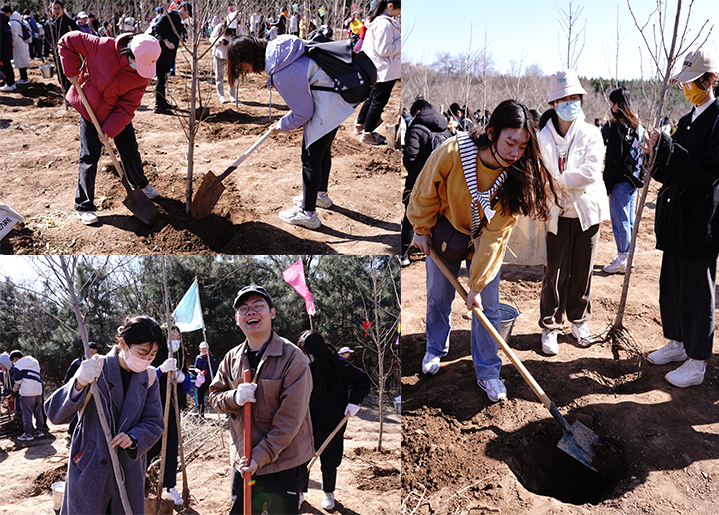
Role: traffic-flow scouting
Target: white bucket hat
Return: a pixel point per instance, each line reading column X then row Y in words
column 563, row 84
column 697, row 64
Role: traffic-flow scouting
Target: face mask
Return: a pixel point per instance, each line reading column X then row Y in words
column 175, row 345
column 568, row 111
column 694, row 93
column 310, row 358
column 136, row 364
column 133, row 65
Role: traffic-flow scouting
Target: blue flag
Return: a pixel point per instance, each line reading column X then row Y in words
column 188, row 313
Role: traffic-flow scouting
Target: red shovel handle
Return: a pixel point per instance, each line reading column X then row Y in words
column 247, row 439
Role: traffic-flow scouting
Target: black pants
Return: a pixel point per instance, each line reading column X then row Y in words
column 160, row 98
column 687, row 299
column 316, row 165
column 8, row 72
column 201, row 391
column 372, row 108
column 90, row 148
column 170, row 476
column 330, row 459
column 276, row 493
column 23, row 73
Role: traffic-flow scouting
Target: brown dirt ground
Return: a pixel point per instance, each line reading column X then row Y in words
column 368, row 481
column 38, row 166
column 463, row 454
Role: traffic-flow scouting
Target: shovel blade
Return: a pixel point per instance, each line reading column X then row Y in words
column 140, row 206
column 579, row 443
column 207, row 196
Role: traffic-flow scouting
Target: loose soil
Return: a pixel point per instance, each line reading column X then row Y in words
column 38, row 167
column 659, row 451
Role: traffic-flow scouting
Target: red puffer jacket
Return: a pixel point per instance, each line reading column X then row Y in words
column 113, row 89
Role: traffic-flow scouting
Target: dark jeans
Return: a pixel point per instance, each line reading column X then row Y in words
column 330, row 459
column 160, row 98
column 276, row 493
column 316, row 165
column 8, row 72
column 687, row 297
column 372, row 108
column 90, row 148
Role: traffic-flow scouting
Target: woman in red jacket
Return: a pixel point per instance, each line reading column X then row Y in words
column 113, row 76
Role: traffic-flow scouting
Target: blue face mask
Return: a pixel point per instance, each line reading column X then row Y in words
column 568, row 111
column 133, row 65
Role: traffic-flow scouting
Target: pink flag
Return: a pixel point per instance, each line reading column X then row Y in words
column 295, row 276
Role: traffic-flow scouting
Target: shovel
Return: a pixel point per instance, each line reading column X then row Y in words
column 327, row 442
column 247, row 441
column 577, row 439
column 136, row 201
column 211, row 187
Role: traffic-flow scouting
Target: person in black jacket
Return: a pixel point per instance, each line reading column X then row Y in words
column 687, row 223
column 330, row 402
column 164, row 33
column 56, row 28
column 427, row 127
column 6, row 53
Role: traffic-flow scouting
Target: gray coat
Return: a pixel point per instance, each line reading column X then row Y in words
column 90, row 485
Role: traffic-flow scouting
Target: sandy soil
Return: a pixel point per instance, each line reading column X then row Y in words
column 368, row 481
column 463, row 454
column 38, row 166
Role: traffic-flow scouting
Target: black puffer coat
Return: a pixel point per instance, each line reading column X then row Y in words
column 418, row 144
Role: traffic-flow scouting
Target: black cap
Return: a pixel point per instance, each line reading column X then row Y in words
column 249, row 290
column 92, row 345
column 187, row 6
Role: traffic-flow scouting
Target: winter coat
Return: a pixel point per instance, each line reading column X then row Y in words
column 618, row 138
column 26, row 371
column 56, row 28
column 113, row 89
column 292, row 74
column 87, row 29
column 20, row 49
column 281, row 424
column 582, row 178
column 90, row 483
column 5, row 38
column 162, row 31
column 418, row 142
column 687, row 218
column 201, row 363
column 383, row 44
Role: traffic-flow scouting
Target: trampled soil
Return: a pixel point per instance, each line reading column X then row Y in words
column 463, row 454
column 38, row 172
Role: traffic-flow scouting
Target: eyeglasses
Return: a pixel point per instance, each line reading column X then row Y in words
column 258, row 305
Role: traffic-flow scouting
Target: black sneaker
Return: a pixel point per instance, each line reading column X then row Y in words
column 162, row 110
column 38, row 433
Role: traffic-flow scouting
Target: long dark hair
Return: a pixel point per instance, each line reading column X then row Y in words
column 245, row 49
column 324, row 368
column 621, row 97
column 529, row 183
column 381, row 5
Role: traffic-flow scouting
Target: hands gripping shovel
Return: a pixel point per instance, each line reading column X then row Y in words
column 136, row 201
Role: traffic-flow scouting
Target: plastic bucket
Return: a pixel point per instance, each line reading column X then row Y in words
column 509, row 314
column 46, row 70
column 58, row 490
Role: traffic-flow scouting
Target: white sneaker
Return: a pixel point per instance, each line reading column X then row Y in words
column 430, row 364
column 87, row 217
column 359, row 127
column 297, row 216
column 22, row 81
column 223, row 100
column 328, row 500
column 150, row 192
column 8, row 88
column 404, row 261
column 618, row 266
column 323, row 200
column 175, row 496
column 301, row 500
column 581, row 333
column 494, row 387
column 691, row 373
column 550, row 345
column 233, row 99
column 672, row 351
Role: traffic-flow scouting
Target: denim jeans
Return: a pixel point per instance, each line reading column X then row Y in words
column 440, row 294
column 622, row 202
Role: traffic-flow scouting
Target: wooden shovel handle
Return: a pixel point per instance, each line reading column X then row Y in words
column 247, row 441
column 239, row 160
column 327, row 442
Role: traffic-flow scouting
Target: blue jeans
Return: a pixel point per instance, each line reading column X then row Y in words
column 440, row 294
column 621, row 209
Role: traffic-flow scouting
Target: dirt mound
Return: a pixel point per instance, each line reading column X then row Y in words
column 44, row 481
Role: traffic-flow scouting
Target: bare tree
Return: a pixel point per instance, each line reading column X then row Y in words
column 574, row 35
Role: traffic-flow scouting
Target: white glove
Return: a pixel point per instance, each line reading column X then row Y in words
column 89, row 371
column 352, row 409
column 169, row 44
column 245, row 393
column 180, row 376
column 168, row 365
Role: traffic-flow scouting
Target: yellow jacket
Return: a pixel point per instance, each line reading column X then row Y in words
column 442, row 190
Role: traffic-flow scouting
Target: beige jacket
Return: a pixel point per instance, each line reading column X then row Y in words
column 281, row 424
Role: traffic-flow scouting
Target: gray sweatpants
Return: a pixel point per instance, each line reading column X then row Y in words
column 31, row 405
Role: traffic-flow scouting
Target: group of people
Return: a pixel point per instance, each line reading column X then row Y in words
column 473, row 188
column 300, row 394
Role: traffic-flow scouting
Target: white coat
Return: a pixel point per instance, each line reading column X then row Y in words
column 383, row 44
column 20, row 49
column 582, row 177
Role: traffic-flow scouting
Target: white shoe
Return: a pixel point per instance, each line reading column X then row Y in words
column 22, row 81
column 175, row 496
column 233, row 99
column 223, row 100
column 549, row 342
column 359, row 127
column 672, row 351
column 8, row 88
column 618, row 266
column 298, row 216
column 323, row 200
column 404, row 261
column 328, row 500
column 87, row 217
column 494, row 387
column 581, row 333
column 691, row 373
column 301, row 500
column 430, row 364
column 150, row 192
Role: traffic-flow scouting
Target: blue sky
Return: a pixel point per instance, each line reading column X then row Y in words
column 532, row 29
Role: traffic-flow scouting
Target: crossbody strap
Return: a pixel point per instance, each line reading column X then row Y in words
column 468, row 155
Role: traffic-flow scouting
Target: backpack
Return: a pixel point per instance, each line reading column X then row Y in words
column 354, row 74
column 26, row 33
column 435, row 138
